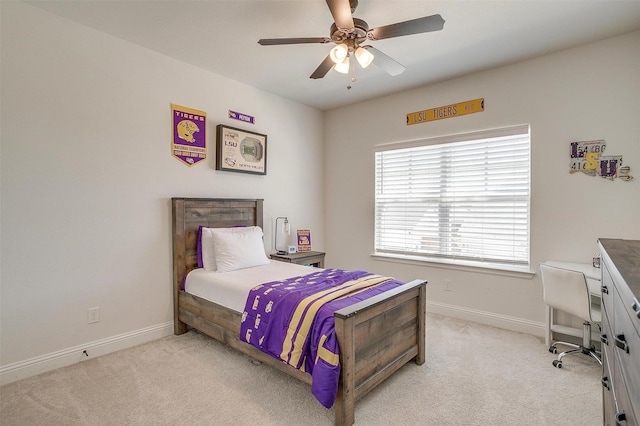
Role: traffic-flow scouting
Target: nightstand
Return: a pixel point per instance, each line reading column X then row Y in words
column 309, row 258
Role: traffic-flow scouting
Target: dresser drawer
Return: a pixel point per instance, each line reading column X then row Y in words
column 607, row 341
column 608, row 400
column 631, row 306
column 625, row 414
column 626, row 347
column 608, row 359
column 607, row 291
column 626, row 302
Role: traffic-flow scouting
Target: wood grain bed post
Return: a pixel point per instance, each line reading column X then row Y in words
column 346, row 398
column 179, row 268
column 422, row 326
column 259, row 212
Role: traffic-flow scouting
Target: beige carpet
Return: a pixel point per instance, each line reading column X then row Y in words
column 474, row 375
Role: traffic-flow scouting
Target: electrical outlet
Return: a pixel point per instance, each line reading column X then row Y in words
column 93, row 315
column 447, row 285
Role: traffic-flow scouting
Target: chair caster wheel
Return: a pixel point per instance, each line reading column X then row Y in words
column 557, row 364
column 553, row 349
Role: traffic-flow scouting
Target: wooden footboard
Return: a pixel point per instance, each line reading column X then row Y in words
column 376, row 336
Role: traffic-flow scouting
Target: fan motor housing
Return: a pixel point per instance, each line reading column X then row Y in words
column 358, row 34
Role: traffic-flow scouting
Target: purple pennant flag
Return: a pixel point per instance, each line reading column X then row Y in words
column 189, row 143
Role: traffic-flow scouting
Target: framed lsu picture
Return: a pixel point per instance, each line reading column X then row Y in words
column 241, row 151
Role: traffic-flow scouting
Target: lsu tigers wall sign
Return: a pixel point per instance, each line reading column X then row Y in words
column 447, row 111
column 189, row 143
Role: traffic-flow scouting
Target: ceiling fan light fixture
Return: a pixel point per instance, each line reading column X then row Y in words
column 346, row 33
column 342, row 67
column 339, row 53
column 364, row 57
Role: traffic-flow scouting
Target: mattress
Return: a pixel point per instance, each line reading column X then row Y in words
column 230, row 289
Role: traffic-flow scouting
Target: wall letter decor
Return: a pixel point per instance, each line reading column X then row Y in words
column 587, row 157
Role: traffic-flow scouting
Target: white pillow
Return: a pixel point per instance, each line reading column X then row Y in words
column 206, row 245
column 237, row 248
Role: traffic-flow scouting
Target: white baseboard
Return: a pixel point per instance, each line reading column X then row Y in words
column 538, row 329
column 41, row 364
column 51, row 361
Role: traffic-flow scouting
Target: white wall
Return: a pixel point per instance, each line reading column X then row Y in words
column 589, row 92
column 87, row 176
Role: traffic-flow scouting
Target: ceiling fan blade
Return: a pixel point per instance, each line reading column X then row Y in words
column 388, row 64
column 341, row 12
column 323, row 69
column 299, row 40
column 414, row 26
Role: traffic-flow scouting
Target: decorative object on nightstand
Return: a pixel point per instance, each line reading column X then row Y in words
column 304, row 240
column 286, row 229
column 309, row 258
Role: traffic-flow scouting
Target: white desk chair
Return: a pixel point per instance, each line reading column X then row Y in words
column 567, row 291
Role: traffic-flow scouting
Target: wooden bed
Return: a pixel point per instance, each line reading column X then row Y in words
column 376, row 337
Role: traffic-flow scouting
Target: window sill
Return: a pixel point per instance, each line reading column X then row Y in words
column 459, row 265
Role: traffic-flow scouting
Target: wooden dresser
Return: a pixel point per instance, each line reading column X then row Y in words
column 620, row 338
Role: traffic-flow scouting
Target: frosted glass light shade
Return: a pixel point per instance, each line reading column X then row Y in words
column 338, row 53
column 364, row 57
column 342, row 67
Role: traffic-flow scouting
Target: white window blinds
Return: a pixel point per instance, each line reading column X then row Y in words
column 462, row 197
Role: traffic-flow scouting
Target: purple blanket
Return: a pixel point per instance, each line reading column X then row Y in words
column 292, row 320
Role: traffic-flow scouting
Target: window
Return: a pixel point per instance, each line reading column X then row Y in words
column 456, row 198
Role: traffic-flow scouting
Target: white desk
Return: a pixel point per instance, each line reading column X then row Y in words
column 593, row 282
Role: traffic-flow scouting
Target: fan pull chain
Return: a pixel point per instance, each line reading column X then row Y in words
column 352, row 78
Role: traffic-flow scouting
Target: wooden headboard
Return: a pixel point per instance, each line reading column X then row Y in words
column 190, row 213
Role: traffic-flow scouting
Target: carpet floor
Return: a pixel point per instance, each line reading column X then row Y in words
column 474, row 375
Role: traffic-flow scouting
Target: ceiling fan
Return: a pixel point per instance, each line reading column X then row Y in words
column 349, row 34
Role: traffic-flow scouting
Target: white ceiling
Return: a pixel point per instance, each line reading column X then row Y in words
column 221, row 36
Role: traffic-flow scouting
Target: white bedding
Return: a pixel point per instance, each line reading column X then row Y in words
column 230, row 289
